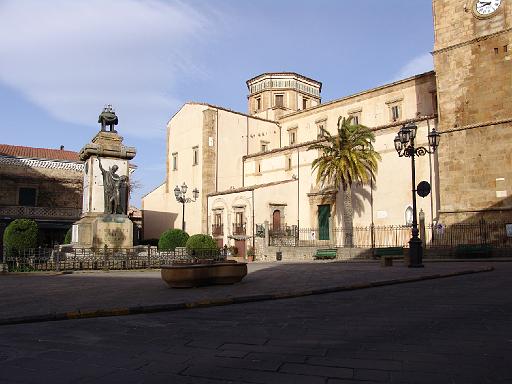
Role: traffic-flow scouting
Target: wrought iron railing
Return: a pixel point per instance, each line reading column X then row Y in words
column 217, row 229
column 436, row 236
column 238, row 229
column 19, row 211
column 72, row 259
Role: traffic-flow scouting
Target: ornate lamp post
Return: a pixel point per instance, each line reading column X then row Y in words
column 404, row 145
column 180, row 193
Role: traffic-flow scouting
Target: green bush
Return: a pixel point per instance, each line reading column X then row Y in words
column 171, row 239
column 19, row 235
column 201, row 246
column 67, row 238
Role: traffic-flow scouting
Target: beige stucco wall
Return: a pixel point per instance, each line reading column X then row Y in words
column 414, row 95
column 157, row 212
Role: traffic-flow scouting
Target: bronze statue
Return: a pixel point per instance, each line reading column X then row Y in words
column 111, row 186
column 108, row 118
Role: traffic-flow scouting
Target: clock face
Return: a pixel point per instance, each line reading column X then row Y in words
column 486, row 7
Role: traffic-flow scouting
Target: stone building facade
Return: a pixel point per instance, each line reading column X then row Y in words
column 40, row 184
column 473, row 63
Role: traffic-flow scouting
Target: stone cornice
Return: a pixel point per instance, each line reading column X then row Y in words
column 475, row 40
column 478, row 125
column 250, row 188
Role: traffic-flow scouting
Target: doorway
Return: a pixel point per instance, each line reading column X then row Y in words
column 324, row 213
column 276, row 220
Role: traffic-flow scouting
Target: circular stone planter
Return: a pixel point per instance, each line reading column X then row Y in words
column 195, row 275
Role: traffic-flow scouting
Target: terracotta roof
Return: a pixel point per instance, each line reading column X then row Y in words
column 38, row 153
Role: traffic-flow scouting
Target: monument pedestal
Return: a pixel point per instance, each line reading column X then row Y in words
column 104, row 219
column 96, row 231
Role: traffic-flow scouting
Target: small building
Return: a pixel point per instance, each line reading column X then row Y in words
column 40, row 184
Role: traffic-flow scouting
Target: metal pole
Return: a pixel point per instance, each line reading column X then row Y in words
column 183, row 216
column 415, row 246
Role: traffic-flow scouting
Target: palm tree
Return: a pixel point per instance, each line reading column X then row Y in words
column 345, row 159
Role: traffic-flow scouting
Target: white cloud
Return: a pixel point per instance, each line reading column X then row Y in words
column 72, row 57
column 417, row 65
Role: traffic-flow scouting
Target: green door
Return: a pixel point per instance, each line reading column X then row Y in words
column 324, row 213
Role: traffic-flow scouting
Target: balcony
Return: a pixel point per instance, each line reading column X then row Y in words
column 23, row 212
column 238, row 229
column 217, row 229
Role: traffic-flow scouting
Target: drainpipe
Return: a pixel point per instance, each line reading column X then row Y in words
column 253, row 225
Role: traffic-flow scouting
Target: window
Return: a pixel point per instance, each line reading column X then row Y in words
column 239, row 218
column 292, row 136
column 304, row 102
column 257, row 167
column 195, row 157
column 258, row 103
column 288, row 165
column 174, row 161
column 279, row 100
column 27, row 196
column 396, row 112
column 356, row 118
column 320, row 127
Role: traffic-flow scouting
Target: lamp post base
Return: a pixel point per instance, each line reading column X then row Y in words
column 415, row 253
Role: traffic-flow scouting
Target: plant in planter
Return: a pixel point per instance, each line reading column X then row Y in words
column 204, row 265
column 251, row 253
column 202, row 247
column 171, row 239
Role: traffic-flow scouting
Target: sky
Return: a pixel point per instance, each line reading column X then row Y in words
column 61, row 61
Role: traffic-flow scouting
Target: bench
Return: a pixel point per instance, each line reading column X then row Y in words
column 325, row 254
column 387, row 255
column 468, row 251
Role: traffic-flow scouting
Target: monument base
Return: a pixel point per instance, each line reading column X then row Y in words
column 96, row 231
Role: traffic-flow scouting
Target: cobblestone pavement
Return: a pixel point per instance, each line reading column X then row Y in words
column 39, row 295
column 455, row 330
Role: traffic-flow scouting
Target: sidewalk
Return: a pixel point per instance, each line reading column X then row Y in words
column 45, row 297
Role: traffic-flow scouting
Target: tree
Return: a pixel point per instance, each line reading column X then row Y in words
column 346, row 159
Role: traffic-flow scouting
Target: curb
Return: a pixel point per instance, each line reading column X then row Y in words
column 224, row 301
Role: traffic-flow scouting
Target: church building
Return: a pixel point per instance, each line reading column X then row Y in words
column 255, row 167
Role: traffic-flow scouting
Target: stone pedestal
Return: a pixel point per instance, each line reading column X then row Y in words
column 99, row 226
column 114, row 231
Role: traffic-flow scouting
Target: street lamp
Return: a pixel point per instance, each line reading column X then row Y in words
column 404, row 146
column 180, row 193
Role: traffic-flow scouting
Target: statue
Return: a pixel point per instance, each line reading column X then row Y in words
column 108, row 118
column 111, row 186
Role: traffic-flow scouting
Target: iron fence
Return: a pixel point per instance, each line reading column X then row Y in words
column 436, row 236
column 74, row 259
column 483, row 232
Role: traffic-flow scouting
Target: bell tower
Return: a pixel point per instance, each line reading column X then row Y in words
column 473, row 64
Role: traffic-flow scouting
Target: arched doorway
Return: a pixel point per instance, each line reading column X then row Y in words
column 276, row 220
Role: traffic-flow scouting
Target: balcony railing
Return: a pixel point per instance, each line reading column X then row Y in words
column 217, row 229
column 18, row 211
column 238, row 229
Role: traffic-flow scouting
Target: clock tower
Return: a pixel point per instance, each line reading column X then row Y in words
column 473, row 64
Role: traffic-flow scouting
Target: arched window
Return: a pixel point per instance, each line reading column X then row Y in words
column 408, row 216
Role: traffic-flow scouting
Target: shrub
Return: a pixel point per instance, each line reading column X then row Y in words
column 67, row 238
column 171, row 239
column 201, row 246
column 19, row 235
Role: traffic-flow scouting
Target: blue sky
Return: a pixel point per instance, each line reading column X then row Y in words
column 61, row 61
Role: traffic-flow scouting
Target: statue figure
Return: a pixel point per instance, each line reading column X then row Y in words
column 111, row 186
column 108, row 118
column 123, row 195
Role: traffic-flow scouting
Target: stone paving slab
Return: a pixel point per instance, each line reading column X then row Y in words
column 44, row 297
